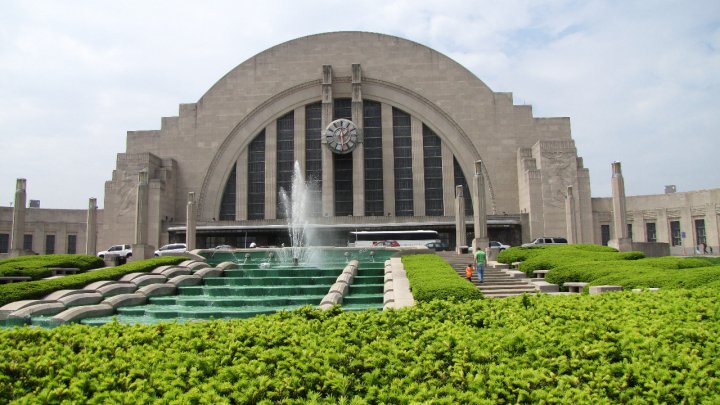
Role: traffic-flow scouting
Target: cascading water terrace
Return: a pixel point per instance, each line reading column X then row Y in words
column 297, row 208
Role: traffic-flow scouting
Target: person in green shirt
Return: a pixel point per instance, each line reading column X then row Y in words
column 480, row 264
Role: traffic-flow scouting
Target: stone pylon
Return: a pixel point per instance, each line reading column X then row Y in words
column 621, row 241
column 481, row 240
column 459, row 219
column 17, row 234
column 190, row 223
column 141, row 250
column 91, row 237
column 570, row 218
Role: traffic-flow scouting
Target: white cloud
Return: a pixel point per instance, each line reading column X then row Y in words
column 638, row 79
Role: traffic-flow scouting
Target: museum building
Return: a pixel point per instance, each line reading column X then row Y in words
column 385, row 129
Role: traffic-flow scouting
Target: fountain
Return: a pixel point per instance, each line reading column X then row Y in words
column 297, row 207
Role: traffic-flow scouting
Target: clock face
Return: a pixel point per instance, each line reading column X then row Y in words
column 341, row 136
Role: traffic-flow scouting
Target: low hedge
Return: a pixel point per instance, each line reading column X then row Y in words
column 431, row 277
column 636, row 274
column 37, row 266
column 40, row 288
column 550, row 257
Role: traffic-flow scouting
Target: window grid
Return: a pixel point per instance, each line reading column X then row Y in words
column 27, row 242
column 227, row 203
column 700, row 231
column 49, row 244
column 402, row 152
column 372, row 146
column 71, row 244
column 285, row 153
column 256, row 177
column 432, row 158
column 313, row 153
column 651, row 232
column 4, row 243
column 342, row 108
column 675, row 235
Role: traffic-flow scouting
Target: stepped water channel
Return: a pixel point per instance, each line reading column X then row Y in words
column 257, row 284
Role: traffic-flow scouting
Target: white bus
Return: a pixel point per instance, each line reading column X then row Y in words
column 403, row 238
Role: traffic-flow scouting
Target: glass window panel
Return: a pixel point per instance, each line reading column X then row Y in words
column 227, row 203
column 461, row 181
column 285, row 155
column 256, row 178
column 313, row 154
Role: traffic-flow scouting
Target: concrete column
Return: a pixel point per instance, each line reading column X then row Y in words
column 621, row 241
column 190, row 223
column 388, row 159
column 662, row 226
column 459, row 219
column 481, row 241
column 359, row 152
column 711, row 227
column 328, row 166
column 141, row 250
column 18, row 225
column 91, row 227
column 271, row 188
column 418, row 166
column 449, row 192
column 570, row 216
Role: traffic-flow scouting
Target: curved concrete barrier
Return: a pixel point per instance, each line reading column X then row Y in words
column 87, row 311
column 98, row 284
column 209, row 272
column 125, row 300
column 227, row 266
column 11, row 307
column 116, row 288
column 340, row 288
column 47, row 308
column 148, row 279
column 330, row 299
column 75, row 300
column 131, row 276
column 194, row 266
column 181, row 281
column 158, row 290
column 54, row 296
column 175, row 272
column 159, row 270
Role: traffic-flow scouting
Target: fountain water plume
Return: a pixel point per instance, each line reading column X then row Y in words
column 298, row 209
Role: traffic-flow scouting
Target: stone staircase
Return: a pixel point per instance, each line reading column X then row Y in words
column 497, row 283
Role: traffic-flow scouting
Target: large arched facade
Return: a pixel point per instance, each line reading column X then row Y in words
column 423, row 119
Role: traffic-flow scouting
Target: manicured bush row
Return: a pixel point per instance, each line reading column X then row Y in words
column 431, row 278
column 40, row 288
column 37, row 266
column 550, row 257
column 635, row 274
column 612, row 348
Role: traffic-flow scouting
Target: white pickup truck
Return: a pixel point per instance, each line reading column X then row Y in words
column 124, row 251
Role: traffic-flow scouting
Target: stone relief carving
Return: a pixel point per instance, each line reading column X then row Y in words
column 126, row 195
column 557, row 168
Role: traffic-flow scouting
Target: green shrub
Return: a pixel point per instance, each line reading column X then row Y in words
column 40, row 288
column 601, row 349
column 37, row 266
column 431, row 278
column 674, row 262
column 551, row 257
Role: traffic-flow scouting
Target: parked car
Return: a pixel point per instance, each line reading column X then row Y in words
column 223, row 247
column 123, row 251
column 546, row 241
column 500, row 245
column 386, row 243
column 438, row 246
column 171, row 248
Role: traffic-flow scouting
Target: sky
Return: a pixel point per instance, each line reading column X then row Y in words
column 640, row 80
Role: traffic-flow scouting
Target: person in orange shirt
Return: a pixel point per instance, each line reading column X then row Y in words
column 469, row 272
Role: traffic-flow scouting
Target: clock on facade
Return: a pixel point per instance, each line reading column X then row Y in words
column 341, row 136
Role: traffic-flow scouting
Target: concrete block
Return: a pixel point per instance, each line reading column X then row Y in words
column 346, row 278
column 159, row 270
column 546, row 287
column 194, row 266
column 125, row 300
column 158, row 290
column 56, row 295
column 186, row 263
column 332, row 298
column 209, row 272
column 131, row 276
column 180, row 281
column 175, row 272
column 501, row 266
column 574, row 286
column 388, row 277
column 540, row 273
column 148, row 279
column 46, row 308
column 227, row 266
column 75, row 300
column 98, row 284
column 9, row 308
column 115, row 288
column 341, row 288
column 517, row 274
column 389, row 296
column 86, row 311
column 600, row 289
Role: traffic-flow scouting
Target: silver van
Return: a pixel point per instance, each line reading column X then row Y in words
column 546, row 241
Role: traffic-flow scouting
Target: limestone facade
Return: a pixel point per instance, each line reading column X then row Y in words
column 424, row 121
